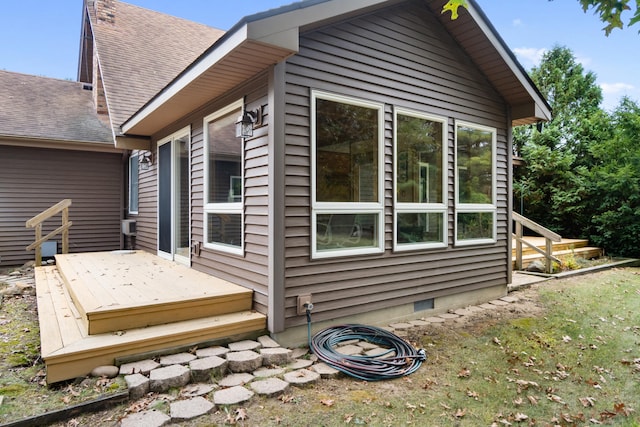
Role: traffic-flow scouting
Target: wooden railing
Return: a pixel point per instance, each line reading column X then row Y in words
column 36, row 222
column 549, row 236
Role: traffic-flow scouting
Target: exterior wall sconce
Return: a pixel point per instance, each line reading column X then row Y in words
column 247, row 121
column 146, row 160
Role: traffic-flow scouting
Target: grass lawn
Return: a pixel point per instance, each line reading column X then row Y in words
column 567, row 353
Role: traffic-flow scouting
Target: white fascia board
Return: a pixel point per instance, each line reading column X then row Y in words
column 213, row 57
column 515, row 68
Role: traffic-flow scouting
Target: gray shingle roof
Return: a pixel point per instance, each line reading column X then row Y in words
column 46, row 108
column 142, row 52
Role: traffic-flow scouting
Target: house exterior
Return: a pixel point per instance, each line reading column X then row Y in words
column 53, row 146
column 376, row 178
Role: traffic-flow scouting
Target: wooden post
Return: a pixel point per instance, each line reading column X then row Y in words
column 518, row 245
column 65, row 232
column 39, row 247
column 549, row 252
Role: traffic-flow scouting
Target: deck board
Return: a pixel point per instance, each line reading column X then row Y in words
column 69, row 351
column 128, row 289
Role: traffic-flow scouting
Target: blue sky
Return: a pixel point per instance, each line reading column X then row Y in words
column 42, row 37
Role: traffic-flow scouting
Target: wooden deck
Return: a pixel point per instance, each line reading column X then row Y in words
column 96, row 307
column 578, row 248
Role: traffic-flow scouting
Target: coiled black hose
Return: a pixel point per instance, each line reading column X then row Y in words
column 399, row 360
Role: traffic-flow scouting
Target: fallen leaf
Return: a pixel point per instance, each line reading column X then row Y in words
column 286, row 398
column 410, row 406
column 496, row 340
column 464, row 373
column 460, row 413
column 555, row 398
column 620, row 408
column 533, row 400
column 521, row 417
column 518, row 401
column 348, row 418
column 328, row 402
column 587, row 401
column 473, row 394
column 444, row 405
column 566, row 338
column 241, row 414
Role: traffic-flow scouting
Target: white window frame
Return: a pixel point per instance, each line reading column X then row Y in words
column 231, row 208
column 428, row 208
column 476, row 207
column 320, row 208
column 134, row 168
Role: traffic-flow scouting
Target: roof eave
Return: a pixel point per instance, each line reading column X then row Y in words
column 256, row 42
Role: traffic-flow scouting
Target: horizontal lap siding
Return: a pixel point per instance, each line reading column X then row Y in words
column 250, row 270
column 400, row 57
column 34, row 179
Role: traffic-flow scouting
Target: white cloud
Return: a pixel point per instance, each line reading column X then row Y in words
column 584, row 60
column 517, row 22
column 529, row 56
column 616, row 88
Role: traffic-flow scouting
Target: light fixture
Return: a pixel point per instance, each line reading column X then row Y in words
column 146, row 160
column 246, row 122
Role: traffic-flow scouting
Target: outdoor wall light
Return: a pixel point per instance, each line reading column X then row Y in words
column 247, row 121
column 146, row 160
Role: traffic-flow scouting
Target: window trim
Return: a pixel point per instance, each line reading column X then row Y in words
column 134, row 167
column 404, row 207
column 233, row 208
column 476, row 207
column 319, row 208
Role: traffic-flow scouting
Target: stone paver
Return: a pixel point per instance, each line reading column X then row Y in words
column 463, row 312
column 244, row 345
column 139, row 367
column 325, row 370
column 475, row 309
column 299, row 352
column 108, row 371
column 236, row 380
column 267, row 342
column 275, row 356
column 212, row 351
column 498, row 302
column 401, row 326
column 488, row 306
column 448, row 316
column 244, row 361
column 266, row 372
column 380, row 353
column 301, row 377
column 367, row 345
column 509, row 299
column 150, row 418
column 349, row 350
column 203, row 369
column 162, row 379
column 177, row 359
column 138, row 385
column 419, row 322
column 299, row 364
column 192, row 390
column 269, row 387
column 183, row 410
column 434, row 319
column 232, row 396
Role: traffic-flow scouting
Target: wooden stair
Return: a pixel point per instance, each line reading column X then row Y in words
column 564, row 249
column 98, row 307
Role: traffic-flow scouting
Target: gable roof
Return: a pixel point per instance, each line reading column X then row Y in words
column 140, row 51
column 46, row 109
column 263, row 39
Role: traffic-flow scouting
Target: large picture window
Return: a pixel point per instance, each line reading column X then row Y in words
column 347, row 173
column 223, row 181
column 475, row 184
column 420, row 181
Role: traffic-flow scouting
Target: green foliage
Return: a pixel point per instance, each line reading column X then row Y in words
column 610, row 12
column 582, row 173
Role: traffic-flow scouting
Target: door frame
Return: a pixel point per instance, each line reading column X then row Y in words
column 172, row 140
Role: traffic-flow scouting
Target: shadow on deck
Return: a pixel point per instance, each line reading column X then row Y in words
column 95, row 308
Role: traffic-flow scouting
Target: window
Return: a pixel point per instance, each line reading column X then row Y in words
column 133, row 184
column 475, row 184
column 223, row 181
column 347, row 176
column 420, row 181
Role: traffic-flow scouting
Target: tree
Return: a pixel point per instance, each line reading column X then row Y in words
column 609, row 11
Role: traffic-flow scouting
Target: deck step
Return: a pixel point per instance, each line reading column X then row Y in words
column 115, row 291
column 69, row 352
column 585, row 252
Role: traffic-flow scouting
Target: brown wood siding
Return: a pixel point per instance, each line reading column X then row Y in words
column 400, row 57
column 34, row 179
column 250, row 270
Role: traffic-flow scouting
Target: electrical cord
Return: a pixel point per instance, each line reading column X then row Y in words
column 400, row 358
